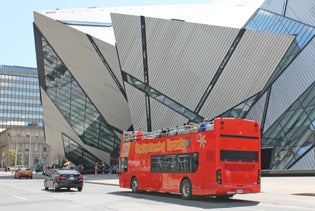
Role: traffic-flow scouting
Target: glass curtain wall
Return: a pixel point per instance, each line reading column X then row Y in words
column 74, row 104
column 293, row 134
column 20, row 103
column 75, row 152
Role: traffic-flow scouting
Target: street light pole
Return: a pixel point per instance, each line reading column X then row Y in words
column 15, row 156
column 29, row 151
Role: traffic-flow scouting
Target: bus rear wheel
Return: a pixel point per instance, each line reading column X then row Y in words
column 186, row 189
column 134, row 185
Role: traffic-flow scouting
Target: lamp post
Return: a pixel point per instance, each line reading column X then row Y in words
column 15, row 155
column 29, row 150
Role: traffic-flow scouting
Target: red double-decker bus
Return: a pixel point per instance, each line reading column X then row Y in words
column 219, row 158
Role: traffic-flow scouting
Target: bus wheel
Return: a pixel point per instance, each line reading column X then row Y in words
column 134, row 185
column 185, row 189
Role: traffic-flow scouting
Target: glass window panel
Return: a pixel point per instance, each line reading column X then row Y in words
column 293, row 120
column 296, row 135
column 189, row 114
column 270, row 22
column 79, row 155
column 106, row 145
column 309, row 99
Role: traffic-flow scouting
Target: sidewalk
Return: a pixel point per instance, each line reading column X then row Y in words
column 103, row 179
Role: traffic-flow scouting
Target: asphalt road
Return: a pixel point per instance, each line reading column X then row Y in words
column 278, row 193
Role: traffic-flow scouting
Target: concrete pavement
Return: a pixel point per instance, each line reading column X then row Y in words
column 102, row 179
column 294, row 185
column 298, row 185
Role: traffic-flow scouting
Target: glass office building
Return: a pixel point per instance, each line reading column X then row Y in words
column 20, row 103
column 21, row 118
column 160, row 72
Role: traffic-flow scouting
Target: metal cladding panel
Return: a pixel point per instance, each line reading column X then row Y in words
column 128, row 36
column 248, row 70
column 163, row 117
column 306, row 162
column 77, row 53
column 111, row 58
column 304, row 12
column 257, row 110
column 183, row 57
column 137, row 108
column 292, row 83
column 82, row 17
column 276, row 6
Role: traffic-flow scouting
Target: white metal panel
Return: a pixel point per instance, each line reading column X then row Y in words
column 110, row 55
column 247, row 72
column 276, row 6
column 307, row 162
column 222, row 13
column 183, row 57
column 136, row 101
column 164, row 117
column 257, row 110
column 303, row 12
column 127, row 31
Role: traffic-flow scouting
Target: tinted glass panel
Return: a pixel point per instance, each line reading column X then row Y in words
column 78, row 154
column 238, row 156
column 74, row 104
column 293, row 133
column 175, row 163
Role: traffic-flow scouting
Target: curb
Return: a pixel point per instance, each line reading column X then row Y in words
column 100, row 183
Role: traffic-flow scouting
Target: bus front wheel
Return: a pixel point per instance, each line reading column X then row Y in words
column 186, row 189
column 134, row 185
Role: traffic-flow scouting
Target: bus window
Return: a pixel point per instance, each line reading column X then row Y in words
column 187, row 162
column 238, row 156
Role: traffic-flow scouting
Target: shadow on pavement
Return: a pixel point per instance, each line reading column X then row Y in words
column 200, row 202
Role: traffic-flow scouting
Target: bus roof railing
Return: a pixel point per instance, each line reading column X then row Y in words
column 184, row 129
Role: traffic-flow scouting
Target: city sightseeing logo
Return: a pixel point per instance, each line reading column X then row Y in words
column 169, row 145
column 202, row 141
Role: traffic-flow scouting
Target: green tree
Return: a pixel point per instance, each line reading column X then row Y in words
column 11, row 158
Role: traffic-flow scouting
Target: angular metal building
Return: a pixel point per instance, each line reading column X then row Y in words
column 286, row 107
column 105, row 70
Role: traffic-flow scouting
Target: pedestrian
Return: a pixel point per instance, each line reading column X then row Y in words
column 96, row 168
column 80, row 168
column 103, row 168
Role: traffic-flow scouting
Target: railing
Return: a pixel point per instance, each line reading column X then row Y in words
column 178, row 130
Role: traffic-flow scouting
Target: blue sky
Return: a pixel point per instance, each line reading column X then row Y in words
column 16, row 21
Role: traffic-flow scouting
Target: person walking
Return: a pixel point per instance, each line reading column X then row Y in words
column 96, row 168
